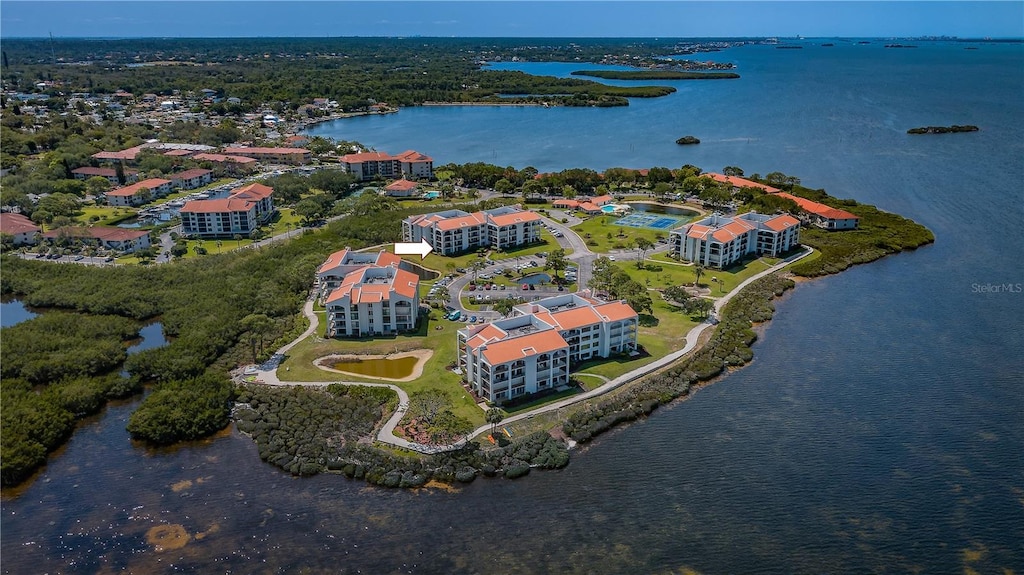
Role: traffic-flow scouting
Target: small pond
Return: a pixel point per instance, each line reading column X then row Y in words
column 535, row 279
column 14, row 312
column 661, row 209
column 399, row 368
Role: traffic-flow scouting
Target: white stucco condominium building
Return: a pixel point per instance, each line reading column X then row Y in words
column 534, row 350
column 369, row 165
column 455, row 231
column 343, row 262
column 718, row 241
column 373, row 301
column 238, row 214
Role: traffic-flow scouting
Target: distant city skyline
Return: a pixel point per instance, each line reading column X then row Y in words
column 510, row 18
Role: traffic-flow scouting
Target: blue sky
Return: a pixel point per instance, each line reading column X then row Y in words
column 499, row 18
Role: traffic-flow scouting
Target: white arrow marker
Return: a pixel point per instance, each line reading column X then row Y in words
column 405, row 249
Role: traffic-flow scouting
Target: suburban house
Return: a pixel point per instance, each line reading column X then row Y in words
column 589, row 206
column 191, row 179
column 19, row 227
column 343, row 262
column 369, row 165
column 402, row 189
column 823, row 216
column 373, row 300
column 230, row 164
column 238, row 214
column 718, row 241
column 455, row 231
column 139, row 193
column 533, row 350
column 293, row 156
column 86, row 172
column 117, row 239
column 179, row 153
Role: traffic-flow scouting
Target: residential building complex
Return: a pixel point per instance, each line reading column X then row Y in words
column 718, row 241
column 117, row 239
column 86, row 172
column 191, row 179
column 402, row 189
column 535, row 349
column 823, row 216
column 373, row 300
column 370, row 165
column 238, row 214
column 455, row 231
column 293, row 156
column 19, row 227
column 139, row 193
column 343, row 262
column 230, row 164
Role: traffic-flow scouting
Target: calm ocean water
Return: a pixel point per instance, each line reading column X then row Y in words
column 879, row 428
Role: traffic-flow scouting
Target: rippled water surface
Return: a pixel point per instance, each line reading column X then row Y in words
column 879, row 428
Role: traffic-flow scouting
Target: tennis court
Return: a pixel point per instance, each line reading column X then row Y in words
column 647, row 220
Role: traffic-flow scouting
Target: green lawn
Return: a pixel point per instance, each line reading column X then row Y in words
column 107, row 215
column 598, row 228
column 674, row 272
column 298, row 363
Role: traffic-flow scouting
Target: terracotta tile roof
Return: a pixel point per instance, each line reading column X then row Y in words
column 411, row 156
column 401, row 282
column 334, row 260
column 254, row 192
column 385, row 259
column 732, row 230
column 601, row 200
column 698, row 231
column 473, row 219
column 129, row 191
column 576, row 317
column 264, row 151
column 367, row 157
column 521, row 347
column 740, row 182
column 566, row 203
column 179, row 153
column 223, row 158
column 489, row 333
column 401, row 186
column 819, row 209
column 781, row 223
column 616, row 311
column 17, row 224
column 127, row 154
column 589, row 207
column 515, row 218
column 217, row 206
column 189, row 174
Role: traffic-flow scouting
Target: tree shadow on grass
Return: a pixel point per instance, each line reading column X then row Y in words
column 648, row 320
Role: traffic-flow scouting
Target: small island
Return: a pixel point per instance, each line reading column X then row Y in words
column 655, row 75
column 687, row 140
column 942, row 129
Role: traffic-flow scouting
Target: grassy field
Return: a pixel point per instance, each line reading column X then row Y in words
column 674, row 272
column 106, row 215
column 595, row 230
column 298, row 363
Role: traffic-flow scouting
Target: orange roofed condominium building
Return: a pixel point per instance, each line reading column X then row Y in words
column 373, row 300
column 718, row 241
column 369, row 165
column 139, row 193
column 238, row 214
column 533, row 350
column 455, row 231
column 293, row 156
column 823, row 216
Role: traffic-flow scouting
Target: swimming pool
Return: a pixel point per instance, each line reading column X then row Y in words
column 432, row 195
column 609, row 209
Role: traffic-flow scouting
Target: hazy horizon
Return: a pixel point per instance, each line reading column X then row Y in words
column 510, row 19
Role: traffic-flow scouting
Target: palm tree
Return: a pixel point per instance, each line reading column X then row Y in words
column 494, row 417
column 698, row 270
column 476, row 267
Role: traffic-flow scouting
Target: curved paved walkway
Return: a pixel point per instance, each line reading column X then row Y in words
column 267, row 373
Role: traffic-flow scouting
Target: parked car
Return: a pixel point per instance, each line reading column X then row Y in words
column 472, row 319
column 472, row 287
column 526, row 286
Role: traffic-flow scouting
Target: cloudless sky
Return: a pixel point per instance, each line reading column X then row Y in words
column 501, row 18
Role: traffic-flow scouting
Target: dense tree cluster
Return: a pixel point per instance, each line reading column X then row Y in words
column 56, row 368
column 306, row 431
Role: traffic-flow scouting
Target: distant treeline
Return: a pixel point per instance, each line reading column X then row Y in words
column 655, row 75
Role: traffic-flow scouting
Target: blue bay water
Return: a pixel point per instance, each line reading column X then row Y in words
column 879, row 429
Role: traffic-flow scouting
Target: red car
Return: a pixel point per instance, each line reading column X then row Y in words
column 472, row 287
column 526, row 286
